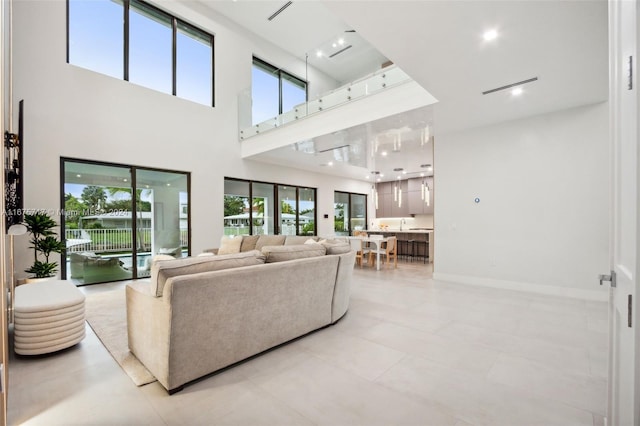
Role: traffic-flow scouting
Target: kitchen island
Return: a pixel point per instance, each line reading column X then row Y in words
column 412, row 244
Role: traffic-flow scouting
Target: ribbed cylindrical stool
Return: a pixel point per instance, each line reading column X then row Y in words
column 48, row 317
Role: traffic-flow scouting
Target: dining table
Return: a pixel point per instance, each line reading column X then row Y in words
column 375, row 243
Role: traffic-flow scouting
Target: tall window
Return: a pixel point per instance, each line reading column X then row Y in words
column 274, row 91
column 135, row 41
column 251, row 208
column 194, row 63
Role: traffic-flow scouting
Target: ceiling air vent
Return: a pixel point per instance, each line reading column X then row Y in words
column 337, row 147
column 340, row 51
column 279, row 11
column 509, row 86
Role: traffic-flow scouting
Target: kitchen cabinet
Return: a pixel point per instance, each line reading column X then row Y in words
column 388, row 200
column 416, row 204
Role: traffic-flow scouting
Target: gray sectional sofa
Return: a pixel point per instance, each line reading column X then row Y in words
column 198, row 315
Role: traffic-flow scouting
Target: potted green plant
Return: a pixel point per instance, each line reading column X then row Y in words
column 44, row 242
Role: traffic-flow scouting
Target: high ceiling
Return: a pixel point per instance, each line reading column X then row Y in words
column 440, row 45
column 306, row 28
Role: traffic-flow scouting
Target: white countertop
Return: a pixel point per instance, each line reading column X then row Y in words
column 407, row 231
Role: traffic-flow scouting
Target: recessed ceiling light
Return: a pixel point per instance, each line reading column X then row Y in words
column 341, row 41
column 490, row 35
column 78, row 175
column 383, row 153
column 404, row 172
column 124, row 180
column 330, row 163
column 334, row 45
column 517, row 91
column 319, row 53
column 366, row 177
column 381, row 175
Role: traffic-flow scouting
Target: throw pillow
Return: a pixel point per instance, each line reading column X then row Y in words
column 230, row 244
column 337, row 247
column 270, row 240
column 249, row 242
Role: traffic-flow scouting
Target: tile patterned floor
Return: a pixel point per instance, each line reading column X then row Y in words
column 411, row 351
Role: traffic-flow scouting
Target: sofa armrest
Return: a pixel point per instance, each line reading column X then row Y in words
column 342, row 290
column 149, row 328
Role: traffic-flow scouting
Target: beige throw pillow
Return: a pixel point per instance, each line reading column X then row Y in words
column 230, row 244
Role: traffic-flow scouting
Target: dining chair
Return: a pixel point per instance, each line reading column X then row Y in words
column 360, row 248
column 387, row 252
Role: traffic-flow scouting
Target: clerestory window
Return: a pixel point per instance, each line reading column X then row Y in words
column 137, row 42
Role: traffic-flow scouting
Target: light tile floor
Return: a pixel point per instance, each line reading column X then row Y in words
column 410, row 351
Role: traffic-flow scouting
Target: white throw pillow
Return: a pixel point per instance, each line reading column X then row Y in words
column 230, row 244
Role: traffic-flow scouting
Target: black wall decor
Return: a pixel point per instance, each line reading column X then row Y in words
column 13, row 172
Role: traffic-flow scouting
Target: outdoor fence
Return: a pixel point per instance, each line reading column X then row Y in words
column 111, row 240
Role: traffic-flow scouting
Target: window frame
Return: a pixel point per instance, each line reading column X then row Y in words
column 277, row 208
column 175, row 22
column 133, row 171
column 279, row 72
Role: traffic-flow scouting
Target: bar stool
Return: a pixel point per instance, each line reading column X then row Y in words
column 420, row 248
column 402, row 247
column 411, row 249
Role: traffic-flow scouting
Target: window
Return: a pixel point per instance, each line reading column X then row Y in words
column 152, row 48
column 250, row 208
column 193, row 64
column 350, row 212
column 96, row 39
column 113, row 229
column 274, row 91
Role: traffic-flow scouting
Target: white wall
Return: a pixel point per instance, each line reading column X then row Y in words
column 73, row 112
column 542, row 220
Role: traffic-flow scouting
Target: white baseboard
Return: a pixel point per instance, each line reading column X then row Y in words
column 598, row 295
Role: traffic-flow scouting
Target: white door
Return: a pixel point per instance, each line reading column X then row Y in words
column 623, row 374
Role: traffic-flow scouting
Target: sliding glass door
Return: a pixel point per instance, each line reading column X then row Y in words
column 162, row 214
column 111, row 231
column 350, row 212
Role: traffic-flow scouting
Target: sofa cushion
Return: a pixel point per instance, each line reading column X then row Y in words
column 270, row 240
column 230, row 244
column 297, row 239
column 336, row 247
column 298, row 251
column 162, row 270
column 249, row 242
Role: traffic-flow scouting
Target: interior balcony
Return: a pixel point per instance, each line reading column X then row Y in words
column 384, row 93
